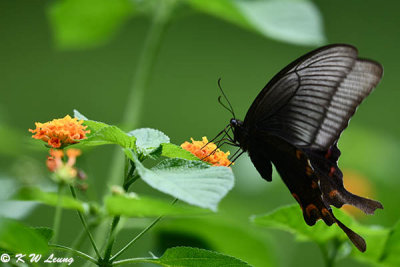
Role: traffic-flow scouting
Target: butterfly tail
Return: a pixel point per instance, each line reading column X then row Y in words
column 343, row 196
column 331, row 181
column 356, row 239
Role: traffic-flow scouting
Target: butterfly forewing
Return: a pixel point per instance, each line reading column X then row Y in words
column 310, row 102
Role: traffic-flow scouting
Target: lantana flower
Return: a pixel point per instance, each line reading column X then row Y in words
column 207, row 152
column 63, row 172
column 59, row 133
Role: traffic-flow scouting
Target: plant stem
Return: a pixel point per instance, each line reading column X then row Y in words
column 330, row 256
column 139, row 235
column 140, row 82
column 58, row 212
column 146, row 63
column 141, row 77
column 129, row 182
column 77, row 252
column 84, row 223
column 111, row 238
column 80, row 239
column 133, row 260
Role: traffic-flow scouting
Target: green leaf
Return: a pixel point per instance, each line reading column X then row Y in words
column 148, row 140
column 45, row 232
column 94, row 126
column 48, row 198
column 376, row 237
column 293, row 21
column 223, row 9
column 108, row 135
column 79, row 115
column 194, row 182
column 103, row 134
column 391, row 250
column 194, row 257
column 80, row 24
column 290, row 219
column 12, row 208
column 15, row 237
column 230, row 236
column 173, row 151
column 129, row 206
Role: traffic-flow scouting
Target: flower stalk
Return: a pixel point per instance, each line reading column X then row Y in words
column 141, row 78
column 58, row 212
column 85, row 225
column 140, row 82
column 136, row 238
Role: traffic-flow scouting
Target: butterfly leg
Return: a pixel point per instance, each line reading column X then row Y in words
column 235, row 156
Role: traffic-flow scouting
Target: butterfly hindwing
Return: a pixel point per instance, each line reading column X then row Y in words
column 296, row 172
column 262, row 163
column 294, row 167
column 331, row 181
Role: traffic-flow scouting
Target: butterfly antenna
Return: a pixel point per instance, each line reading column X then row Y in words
column 230, row 109
column 222, row 104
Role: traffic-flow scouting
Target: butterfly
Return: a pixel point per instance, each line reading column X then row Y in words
column 295, row 123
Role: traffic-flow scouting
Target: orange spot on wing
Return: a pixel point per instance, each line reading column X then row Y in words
column 333, row 193
column 328, row 154
column 310, row 208
column 325, row 212
column 297, row 199
column 298, row 154
column 332, row 171
column 314, row 185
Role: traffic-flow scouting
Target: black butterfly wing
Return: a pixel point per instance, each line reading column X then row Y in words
column 304, row 108
column 310, row 102
column 330, row 179
column 303, row 182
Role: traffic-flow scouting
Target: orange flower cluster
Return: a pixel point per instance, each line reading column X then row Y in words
column 60, row 132
column 63, row 171
column 207, row 152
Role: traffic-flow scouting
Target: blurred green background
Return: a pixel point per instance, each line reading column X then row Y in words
column 40, row 81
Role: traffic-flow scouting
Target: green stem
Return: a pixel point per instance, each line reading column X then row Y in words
column 142, row 76
column 58, row 212
column 329, row 256
column 133, row 260
column 84, row 223
column 80, row 239
column 129, row 182
column 146, row 63
column 77, row 252
column 136, row 238
column 111, row 238
column 140, row 82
